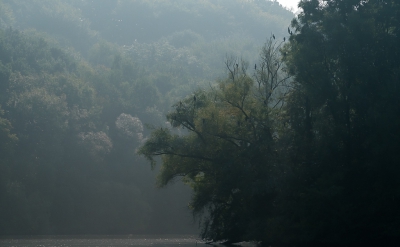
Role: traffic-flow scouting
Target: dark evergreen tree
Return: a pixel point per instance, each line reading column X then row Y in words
column 343, row 116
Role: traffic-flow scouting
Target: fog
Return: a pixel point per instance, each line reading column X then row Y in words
column 224, row 121
column 84, row 83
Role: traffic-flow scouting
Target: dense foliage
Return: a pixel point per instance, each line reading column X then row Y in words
column 61, row 150
column 346, row 66
column 78, row 82
column 303, row 150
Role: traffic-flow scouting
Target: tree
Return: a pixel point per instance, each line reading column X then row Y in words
column 343, row 114
column 321, row 150
column 222, row 142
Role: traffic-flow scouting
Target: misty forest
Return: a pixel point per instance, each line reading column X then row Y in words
column 235, row 120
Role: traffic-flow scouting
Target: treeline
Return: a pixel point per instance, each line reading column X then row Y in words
column 79, row 80
column 194, row 35
column 69, row 135
column 300, row 149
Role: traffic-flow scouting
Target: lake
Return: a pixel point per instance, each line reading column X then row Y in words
column 129, row 240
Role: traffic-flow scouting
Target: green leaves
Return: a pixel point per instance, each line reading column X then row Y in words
column 341, row 65
column 8, row 139
column 222, row 144
column 315, row 149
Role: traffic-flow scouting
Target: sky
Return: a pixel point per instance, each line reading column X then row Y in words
column 290, row 4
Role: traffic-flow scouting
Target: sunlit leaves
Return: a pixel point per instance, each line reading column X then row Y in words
column 130, row 126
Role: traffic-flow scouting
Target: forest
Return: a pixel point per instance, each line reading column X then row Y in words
column 81, row 80
column 263, row 125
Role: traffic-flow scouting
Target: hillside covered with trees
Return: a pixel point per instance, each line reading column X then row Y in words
column 81, row 80
column 300, row 149
column 284, row 129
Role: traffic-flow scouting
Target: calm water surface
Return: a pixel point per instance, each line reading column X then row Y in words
column 131, row 240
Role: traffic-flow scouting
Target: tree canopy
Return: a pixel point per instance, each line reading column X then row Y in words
column 79, row 80
column 302, row 151
column 224, row 142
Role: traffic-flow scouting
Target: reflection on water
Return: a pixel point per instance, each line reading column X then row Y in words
column 131, row 240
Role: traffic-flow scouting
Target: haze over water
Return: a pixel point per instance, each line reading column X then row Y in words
column 127, row 240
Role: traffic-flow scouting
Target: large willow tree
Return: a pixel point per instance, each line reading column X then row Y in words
column 222, row 142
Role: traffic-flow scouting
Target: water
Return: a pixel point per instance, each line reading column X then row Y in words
column 102, row 241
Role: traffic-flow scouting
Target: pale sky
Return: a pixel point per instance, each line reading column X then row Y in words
column 289, row 4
